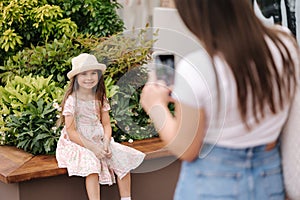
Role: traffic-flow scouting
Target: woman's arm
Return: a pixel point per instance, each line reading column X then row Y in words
column 182, row 133
column 190, row 131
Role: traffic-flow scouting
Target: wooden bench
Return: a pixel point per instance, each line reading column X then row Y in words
column 18, row 165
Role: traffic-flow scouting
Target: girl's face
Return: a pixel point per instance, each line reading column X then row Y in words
column 88, row 79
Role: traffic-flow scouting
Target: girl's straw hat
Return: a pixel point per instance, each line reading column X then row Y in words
column 85, row 62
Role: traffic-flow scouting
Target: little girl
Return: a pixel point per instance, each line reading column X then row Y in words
column 85, row 146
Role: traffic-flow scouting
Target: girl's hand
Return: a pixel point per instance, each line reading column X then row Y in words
column 100, row 150
column 153, row 94
column 100, row 153
column 106, row 147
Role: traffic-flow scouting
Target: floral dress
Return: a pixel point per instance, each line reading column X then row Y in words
column 80, row 161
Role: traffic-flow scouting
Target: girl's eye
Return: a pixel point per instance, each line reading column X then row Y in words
column 86, row 73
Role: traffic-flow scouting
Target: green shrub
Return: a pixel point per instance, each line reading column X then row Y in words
column 47, row 60
column 27, row 113
column 125, row 55
column 40, row 38
column 96, row 17
column 121, row 52
column 24, row 23
column 30, row 22
column 125, row 51
column 130, row 120
column 29, row 110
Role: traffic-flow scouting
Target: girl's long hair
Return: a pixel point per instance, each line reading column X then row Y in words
column 230, row 28
column 99, row 89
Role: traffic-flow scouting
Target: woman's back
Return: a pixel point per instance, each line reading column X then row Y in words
column 235, row 94
column 226, row 125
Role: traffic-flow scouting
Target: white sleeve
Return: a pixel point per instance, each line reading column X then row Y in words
column 193, row 79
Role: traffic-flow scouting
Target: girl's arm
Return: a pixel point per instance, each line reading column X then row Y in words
column 106, row 125
column 105, row 119
column 75, row 137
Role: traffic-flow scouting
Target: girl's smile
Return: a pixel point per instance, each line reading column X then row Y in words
column 88, row 79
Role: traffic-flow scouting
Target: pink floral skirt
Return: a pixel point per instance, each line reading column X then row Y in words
column 80, row 161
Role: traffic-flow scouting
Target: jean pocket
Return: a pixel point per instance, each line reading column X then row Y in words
column 218, row 185
column 273, row 183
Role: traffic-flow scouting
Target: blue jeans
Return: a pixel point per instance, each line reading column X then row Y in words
column 227, row 174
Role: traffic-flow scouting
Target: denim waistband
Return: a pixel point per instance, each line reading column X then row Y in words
column 250, row 156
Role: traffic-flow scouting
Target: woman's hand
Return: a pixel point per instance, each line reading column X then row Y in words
column 155, row 94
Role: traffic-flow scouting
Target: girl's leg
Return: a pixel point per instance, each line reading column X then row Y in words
column 92, row 186
column 124, row 185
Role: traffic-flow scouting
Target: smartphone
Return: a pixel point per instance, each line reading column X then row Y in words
column 164, row 67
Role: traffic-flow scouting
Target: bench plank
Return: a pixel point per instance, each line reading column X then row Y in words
column 17, row 165
column 11, row 159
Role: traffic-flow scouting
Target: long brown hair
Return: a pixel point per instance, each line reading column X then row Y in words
column 100, row 93
column 230, row 28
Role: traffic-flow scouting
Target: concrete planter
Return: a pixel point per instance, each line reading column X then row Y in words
column 24, row 176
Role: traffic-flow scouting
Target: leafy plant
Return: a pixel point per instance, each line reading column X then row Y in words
column 24, row 23
column 27, row 114
column 121, row 52
column 49, row 21
column 29, row 110
column 125, row 51
column 96, row 17
column 47, row 60
column 10, row 39
column 125, row 54
column 130, row 120
column 35, row 129
column 30, row 22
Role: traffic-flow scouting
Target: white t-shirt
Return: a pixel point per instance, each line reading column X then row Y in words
column 195, row 85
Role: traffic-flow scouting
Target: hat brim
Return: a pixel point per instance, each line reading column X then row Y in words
column 85, row 68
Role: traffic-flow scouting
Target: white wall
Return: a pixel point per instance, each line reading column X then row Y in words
column 137, row 13
column 173, row 35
